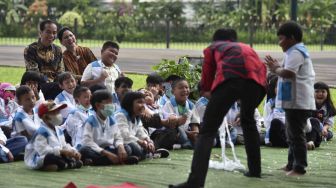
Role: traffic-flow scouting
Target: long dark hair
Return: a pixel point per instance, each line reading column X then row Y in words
column 128, row 100
column 328, row 102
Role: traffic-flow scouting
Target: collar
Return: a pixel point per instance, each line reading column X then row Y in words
column 40, row 46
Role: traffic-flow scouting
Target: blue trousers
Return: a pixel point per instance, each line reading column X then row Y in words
column 15, row 145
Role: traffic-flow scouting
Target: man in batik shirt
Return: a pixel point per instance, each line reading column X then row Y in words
column 45, row 57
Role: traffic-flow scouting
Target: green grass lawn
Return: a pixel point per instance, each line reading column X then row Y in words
column 161, row 172
column 156, row 45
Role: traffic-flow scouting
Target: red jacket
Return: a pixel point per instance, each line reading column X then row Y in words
column 225, row 60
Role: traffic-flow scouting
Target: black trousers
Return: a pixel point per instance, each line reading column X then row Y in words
column 296, row 121
column 60, row 161
column 315, row 134
column 223, row 97
column 278, row 136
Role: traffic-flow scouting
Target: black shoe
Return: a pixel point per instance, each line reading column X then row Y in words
column 132, row 160
column 162, row 152
column 79, row 164
column 182, row 185
column 250, row 175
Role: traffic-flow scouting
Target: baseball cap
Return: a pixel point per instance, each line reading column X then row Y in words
column 49, row 106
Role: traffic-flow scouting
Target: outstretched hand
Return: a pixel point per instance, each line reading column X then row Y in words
column 271, row 63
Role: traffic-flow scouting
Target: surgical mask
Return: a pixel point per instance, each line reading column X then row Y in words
column 83, row 108
column 56, row 119
column 108, row 110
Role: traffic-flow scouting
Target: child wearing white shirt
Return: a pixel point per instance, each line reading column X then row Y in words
column 187, row 119
column 102, row 143
column 130, row 125
column 68, row 84
column 26, row 120
column 47, row 150
column 74, row 124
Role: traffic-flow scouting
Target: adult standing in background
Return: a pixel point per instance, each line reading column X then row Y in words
column 231, row 71
column 75, row 58
column 45, row 57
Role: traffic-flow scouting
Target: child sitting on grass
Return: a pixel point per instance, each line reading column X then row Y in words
column 187, row 119
column 68, row 84
column 102, row 143
column 8, row 107
column 322, row 120
column 129, row 121
column 26, row 120
column 47, row 150
column 74, row 124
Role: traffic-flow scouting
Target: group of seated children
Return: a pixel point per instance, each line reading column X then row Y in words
column 92, row 126
column 319, row 125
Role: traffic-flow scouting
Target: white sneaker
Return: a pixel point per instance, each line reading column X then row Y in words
column 177, row 146
column 310, row 145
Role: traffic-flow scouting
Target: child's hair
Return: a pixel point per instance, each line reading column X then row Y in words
column 31, row 76
column 172, row 78
column 329, row 103
column 174, row 84
column 225, row 34
column 154, row 78
column 79, row 90
column 123, row 80
column 61, row 31
column 22, row 90
column 129, row 98
column 97, row 87
column 64, row 76
column 98, row 96
column 292, row 30
column 109, row 44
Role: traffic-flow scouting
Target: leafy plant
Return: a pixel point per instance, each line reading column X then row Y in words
column 184, row 69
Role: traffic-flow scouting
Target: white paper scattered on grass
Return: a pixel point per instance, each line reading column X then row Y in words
column 226, row 163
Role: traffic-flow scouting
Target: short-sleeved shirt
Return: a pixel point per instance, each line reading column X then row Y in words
column 46, row 60
column 297, row 92
column 77, row 64
column 94, row 70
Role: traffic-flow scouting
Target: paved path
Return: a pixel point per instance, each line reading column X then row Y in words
column 141, row 60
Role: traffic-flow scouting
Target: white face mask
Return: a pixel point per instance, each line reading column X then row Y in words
column 56, row 119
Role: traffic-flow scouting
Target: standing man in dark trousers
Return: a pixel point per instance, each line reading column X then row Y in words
column 45, row 57
column 231, row 71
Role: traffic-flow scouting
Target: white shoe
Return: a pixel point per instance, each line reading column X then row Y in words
column 177, row 146
column 310, row 145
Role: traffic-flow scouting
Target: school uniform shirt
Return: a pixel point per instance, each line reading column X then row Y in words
column 172, row 108
column 7, row 112
column 94, row 70
column 297, row 92
column 99, row 134
column 200, row 107
column 74, row 125
column 323, row 115
column 130, row 132
column 66, row 98
column 153, row 110
column 25, row 122
column 45, row 141
column 3, row 136
column 162, row 100
column 270, row 113
column 232, row 115
column 116, row 101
